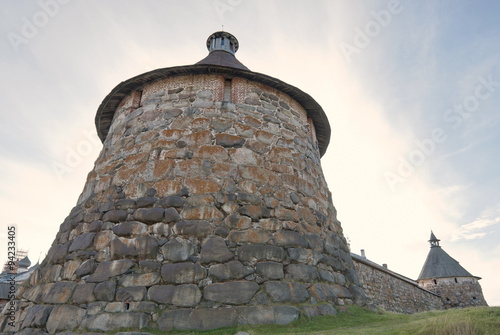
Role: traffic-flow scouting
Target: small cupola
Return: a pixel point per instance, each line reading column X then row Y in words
column 223, row 41
column 434, row 241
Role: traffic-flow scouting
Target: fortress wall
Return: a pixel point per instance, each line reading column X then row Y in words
column 392, row 292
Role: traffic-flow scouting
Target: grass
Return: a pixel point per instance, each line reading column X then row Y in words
column 356, row 321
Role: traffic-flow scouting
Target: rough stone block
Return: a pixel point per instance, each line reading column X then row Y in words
column 178, row 250
column 250, row 236
column 108, row 269
column 289, row 238
column 215, row 250
column 257, row 252
column 149, row 215
column 197, row 228
column 59, row 293
column 281, row 291
column 188, row 295
column 84, row 293
column 238, row 221
column 135, row 293
column 125, row 204
column 302, row 272
column 227, row 140
column 117, row 215
column 86, row 268
column 229, row 270
column 64, row 317
column 271, row 270
column 140, row 279
column 146, row 201
column 36, row 316
column 182, row 273
column 322, row 292
column 255, row 212
column 171, row 215
column 201, row 213
column 172, row 201
column 142, row 246
column 234, row 293
column 130, row 228
column 82, row 242
column 197, row 319
column 111, row 321
column 105, row 291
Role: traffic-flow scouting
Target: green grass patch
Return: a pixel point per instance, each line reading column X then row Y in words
column 357, row 321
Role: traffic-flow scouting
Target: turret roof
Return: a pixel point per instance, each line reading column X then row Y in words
column 441, row 265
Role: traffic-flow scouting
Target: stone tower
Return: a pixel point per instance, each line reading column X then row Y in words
column 207, row 207
column 445, row 276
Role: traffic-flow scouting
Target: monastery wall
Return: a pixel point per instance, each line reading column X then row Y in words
column 391, row 291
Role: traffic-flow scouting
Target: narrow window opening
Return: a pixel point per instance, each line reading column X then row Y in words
column 435, row 282
column 227, row 90
column 136, row 99
column 231, row 46
column 447, row 299
column 222, row 41
column 473, row 298
column 456, row 281
column 127, row 306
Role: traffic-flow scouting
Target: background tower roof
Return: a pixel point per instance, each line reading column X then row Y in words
column 441, row 265
column 220, row 61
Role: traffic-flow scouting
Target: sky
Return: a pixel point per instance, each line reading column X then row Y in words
column 411, row 90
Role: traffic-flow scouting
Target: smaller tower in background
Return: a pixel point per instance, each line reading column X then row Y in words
column 445, row 276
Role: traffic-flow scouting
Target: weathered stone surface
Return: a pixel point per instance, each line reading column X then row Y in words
column 149, row 265
column 182, row 273
column 81, row 242
column 146, row 201
column 64, row 317
column 84, row 293
column 178, row 250
column 197, row 319
column 108, row 269
column 86, row 268
column 105, row 291
column 117, row 215
column 125, row 204
column 258, row 252
column 229, row 270
column 111, row 321
column 149, row 215
column 188, row 295
column 135, row 293
column 250, row 236
column 233, row 293
column 130, row 228
column 143, row 246
column 238, row 221
column 172, row 201
column 59, row 293
column 302, row 255
column 193, row 227
column 171, row 215
column 302, row 272
column 255, row 212
column 289, row 238
column 57, row 253
column 323, row 292
column 103, row 239
column 271, row 270
column 215, row 250
column 268, row 314
column 36, row 316
column 281, row 291
column 140, row 279
column 227, row 140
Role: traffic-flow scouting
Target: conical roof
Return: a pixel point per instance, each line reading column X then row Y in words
column 24, row 263
column 441, row 265
column 222, row 47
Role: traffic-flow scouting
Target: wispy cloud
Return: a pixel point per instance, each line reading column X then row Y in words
column 471, row 231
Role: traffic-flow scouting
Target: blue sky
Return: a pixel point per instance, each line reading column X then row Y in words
column 411, row 89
